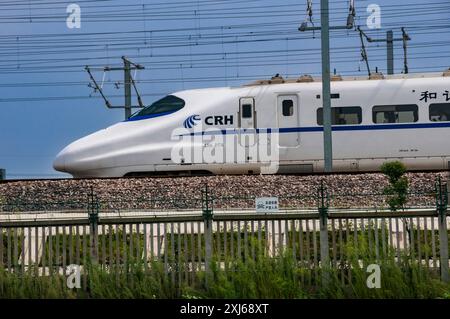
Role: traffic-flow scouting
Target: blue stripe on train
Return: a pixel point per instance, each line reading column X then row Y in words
column 320, row 128
column 149, row 116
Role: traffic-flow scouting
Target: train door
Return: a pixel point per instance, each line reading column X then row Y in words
column 247, row 125
column 288, row 118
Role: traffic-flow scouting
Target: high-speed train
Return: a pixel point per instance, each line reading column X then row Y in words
column 275, row 126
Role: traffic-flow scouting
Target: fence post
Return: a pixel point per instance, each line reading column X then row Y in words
column 323, row 204
column 441, row 205
column 207, row 210
column 93, row 208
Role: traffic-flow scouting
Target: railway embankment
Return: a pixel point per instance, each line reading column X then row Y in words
column 345, row 190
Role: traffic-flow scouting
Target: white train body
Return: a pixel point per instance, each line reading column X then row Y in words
column 404, row 118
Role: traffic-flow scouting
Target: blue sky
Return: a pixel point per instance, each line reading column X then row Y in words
column 45, row 104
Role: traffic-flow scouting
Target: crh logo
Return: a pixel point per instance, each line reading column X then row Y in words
column 191, row 121
column 219, row 120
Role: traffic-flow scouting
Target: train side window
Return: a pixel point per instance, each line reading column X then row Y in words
column 247, row 111
column 406, row 113
column 342, row 115
column 288, row 107
column 440, row 112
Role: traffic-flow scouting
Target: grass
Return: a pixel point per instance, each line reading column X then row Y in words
column 262, row 277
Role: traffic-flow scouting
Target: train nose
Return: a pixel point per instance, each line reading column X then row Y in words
column 90, row 155
column 75, row 158
column 82, row 157
column 59, row 163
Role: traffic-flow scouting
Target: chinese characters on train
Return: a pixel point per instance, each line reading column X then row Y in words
column 428, row 96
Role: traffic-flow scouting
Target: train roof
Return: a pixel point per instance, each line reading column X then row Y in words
column 277, row 79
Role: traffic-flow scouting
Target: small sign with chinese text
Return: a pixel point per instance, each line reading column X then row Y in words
column 266, row 204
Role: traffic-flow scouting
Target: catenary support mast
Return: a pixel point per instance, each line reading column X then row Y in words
column 326, row 86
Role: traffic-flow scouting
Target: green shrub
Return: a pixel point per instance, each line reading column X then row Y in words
column 397, row 191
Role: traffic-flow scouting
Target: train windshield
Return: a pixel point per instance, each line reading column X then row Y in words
column 166, row 105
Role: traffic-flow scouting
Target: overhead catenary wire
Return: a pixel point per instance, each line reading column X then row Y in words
column 28, row 51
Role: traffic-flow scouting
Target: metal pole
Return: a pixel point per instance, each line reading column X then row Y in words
column 390, row 51
column 207, row 216
column 127, row 83
column 93, row 223
column 327, row 135
column 443, row 233
column 405, row 38
column 324, row 247
column 443, row 247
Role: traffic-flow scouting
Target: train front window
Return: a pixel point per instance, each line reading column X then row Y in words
column 407, row 113
column 166, row 105
column 440, row 112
